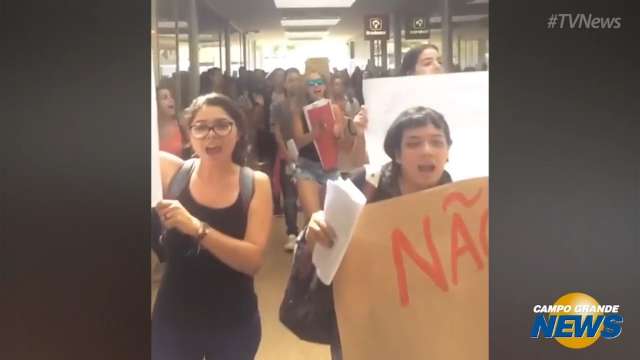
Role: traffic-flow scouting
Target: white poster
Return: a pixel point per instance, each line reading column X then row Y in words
column 156, row 182
column 463, row 100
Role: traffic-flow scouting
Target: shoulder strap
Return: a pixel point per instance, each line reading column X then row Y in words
column 246, row 187
column 180, row 180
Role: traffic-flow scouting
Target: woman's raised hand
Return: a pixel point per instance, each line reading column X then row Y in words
column 361, row 120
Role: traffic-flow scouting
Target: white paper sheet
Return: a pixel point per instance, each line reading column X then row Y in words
column 343, row 204
column 292, row 149
column 156, row 182
column 463, row 100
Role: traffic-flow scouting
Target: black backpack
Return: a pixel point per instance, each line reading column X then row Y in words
column 307, row 308
column 179, row 182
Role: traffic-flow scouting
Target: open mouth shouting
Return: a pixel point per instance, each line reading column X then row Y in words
column 213, row 149
column 427, row 169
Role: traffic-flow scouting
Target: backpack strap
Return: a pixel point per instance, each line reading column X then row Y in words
column 246, row 187
column 180, row 180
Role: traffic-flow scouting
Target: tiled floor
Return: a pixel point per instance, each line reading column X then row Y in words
column 278, row 343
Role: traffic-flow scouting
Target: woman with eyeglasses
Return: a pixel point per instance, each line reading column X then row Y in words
column 310, row 174
column 206, row 305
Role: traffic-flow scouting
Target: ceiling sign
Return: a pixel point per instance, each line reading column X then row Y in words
column 417, row 27
column 376, row 27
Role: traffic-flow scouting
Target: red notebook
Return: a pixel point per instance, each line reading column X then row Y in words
column 319, row 116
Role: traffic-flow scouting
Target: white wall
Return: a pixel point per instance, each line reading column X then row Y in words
column 285, row 54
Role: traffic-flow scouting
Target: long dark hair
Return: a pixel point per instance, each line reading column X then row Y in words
column 356, row 82
column 166, row 84
column 239, row 155
column 346, row 82
column 410, row 59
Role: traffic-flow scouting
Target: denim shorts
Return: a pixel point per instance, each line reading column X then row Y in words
column 312, row 170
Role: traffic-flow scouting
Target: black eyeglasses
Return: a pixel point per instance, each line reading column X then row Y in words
column 220, row 128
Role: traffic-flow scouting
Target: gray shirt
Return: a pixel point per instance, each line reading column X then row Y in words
column 282, row 118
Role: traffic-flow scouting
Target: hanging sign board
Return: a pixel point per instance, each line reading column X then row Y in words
column 417, row 27
column 376, row 27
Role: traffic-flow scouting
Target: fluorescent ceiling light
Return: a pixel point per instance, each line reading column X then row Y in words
column 171, row 24
column 283, row 4
column 306, row 34
column 181, row 37
column 462, row 18
column 474, row 2
column 310, row 22
column 306, row 39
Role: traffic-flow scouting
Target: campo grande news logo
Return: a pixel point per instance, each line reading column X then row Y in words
column 576, row 321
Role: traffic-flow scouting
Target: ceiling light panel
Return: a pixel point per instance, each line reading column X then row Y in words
column 306, row 39
column 310, row 22
column 284, row 4
column 171, row 24
column 306, row 34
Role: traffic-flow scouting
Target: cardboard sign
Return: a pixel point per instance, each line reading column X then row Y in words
column 413, row 284
column 417, row 27
column 463, row 100
column 319, row 65
column 376, row 27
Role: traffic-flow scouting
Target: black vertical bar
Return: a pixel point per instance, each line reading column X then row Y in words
column 255, row 56
column 227, row 48
column 397, row 39
column 244, row 49
column 446, row 35
column 194, row 51
column 383, row 54
column 372, row 53
column 178, row 83
column 155, row 46
column 220, row 50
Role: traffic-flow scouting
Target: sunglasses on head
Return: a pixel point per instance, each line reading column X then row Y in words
column 315, row 82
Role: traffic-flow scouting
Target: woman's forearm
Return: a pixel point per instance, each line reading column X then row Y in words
column 339, row 124
column 303, row 139
column 349, row 136
column 242, row 256
column 282, row 147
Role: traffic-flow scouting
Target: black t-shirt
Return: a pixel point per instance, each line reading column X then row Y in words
column 308, row 151
column 199, row 290
column 387, row 187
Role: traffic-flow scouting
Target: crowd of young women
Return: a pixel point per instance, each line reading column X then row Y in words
column 216, row 225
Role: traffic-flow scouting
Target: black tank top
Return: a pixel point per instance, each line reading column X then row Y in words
column 199, row 288
column 308, row 151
